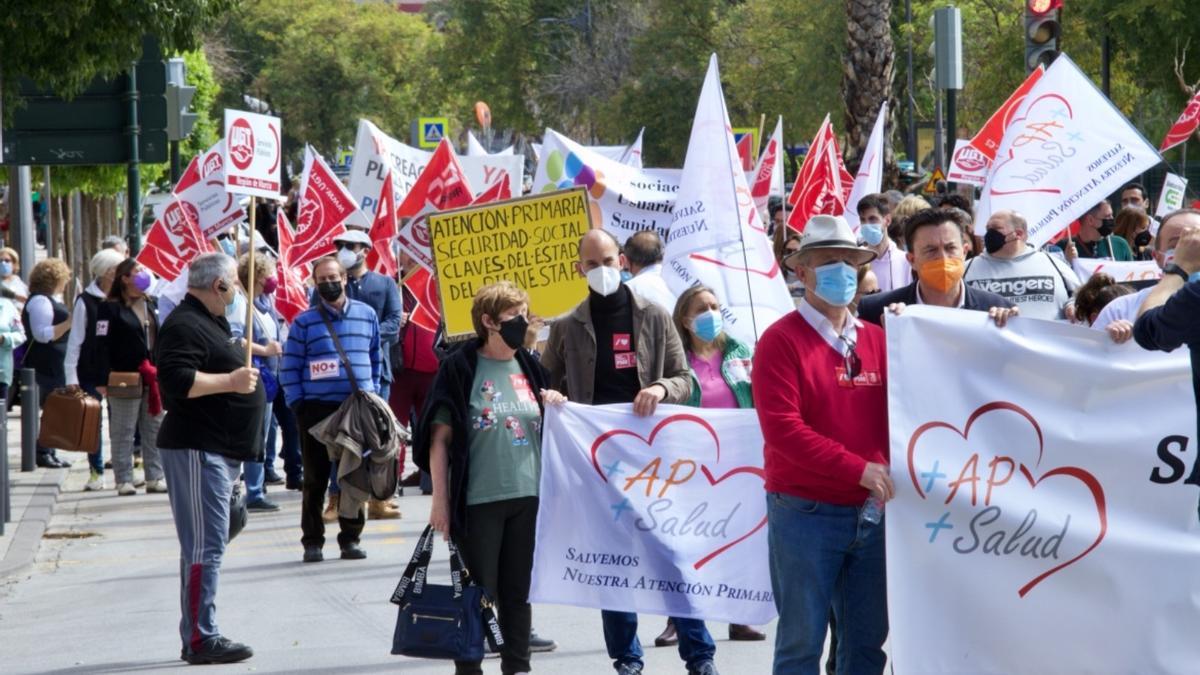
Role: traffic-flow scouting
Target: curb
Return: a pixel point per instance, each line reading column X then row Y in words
column 27, row 538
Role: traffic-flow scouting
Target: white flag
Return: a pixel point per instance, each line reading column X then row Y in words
column 869, row 178
column 767, row 179
column 1171, row 196
column 1066, row 149
column 633, row 153
column 476, row 149
column 716, row 236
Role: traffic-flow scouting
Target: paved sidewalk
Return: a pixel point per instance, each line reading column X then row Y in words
column 33, row 496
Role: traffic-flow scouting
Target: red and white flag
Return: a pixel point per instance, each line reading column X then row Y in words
column 1184, row 127
column 745, row 151
column 423, row 285
column 824, row 184
column 381, row 258
column 202, row 187
column 158, row 253
column 291, row 295
column 987, row 141
column 498, row 192
column 869, row 179
column 181, row 219
column 768, row 175
column 325, row 204
column 442, row 184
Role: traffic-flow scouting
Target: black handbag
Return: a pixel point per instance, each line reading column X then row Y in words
column 442, row 622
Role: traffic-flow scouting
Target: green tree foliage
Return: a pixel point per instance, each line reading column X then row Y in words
column 321, row 65
column 63, row 44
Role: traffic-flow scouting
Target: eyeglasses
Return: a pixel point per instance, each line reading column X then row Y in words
column 850, row 361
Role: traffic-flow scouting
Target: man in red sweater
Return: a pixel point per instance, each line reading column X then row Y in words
column 820, row 386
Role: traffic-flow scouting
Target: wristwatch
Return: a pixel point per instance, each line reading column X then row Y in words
column 1176, row 269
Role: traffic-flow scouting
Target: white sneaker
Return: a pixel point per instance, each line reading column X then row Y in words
column 95, row 483
column 126, row 490
column 139, row 482
column 159, row 486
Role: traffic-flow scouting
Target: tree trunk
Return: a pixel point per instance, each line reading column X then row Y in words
column 867, row 70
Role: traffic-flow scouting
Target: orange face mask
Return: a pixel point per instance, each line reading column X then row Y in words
column 942, row 274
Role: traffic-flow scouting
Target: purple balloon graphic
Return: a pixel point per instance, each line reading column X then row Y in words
column 586, row 177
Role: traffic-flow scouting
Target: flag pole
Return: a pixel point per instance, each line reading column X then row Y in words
column 762, row 124
column 249, row 332
column 732, row 152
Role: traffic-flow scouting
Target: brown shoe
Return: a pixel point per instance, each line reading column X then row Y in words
column 745, row 633
column 331, row 509
column 668, row 637
column 381, row 510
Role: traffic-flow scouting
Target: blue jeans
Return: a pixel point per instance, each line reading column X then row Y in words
column 696, row 646
column 823, row 558
column 200, row 484
column 254, row 473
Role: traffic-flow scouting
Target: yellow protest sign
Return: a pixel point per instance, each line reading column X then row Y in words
column 531, row 241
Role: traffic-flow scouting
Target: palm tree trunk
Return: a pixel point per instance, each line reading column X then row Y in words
column 867, row 70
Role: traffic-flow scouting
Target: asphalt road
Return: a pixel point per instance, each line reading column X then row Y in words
column 103, row 597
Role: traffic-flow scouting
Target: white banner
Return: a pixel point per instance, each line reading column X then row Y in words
column 663, row 515
column 1045, row 518
column 624, row 199
column 1066, row 149
column 375, row 153
column 1140, row 270
column 869, row 178
column 476, row 149
column 968, row 165
column 1171, row 196
column 252, row 154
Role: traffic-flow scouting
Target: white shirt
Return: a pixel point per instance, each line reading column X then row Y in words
column 1125, row 307
column 650, row 284
column 78, row 333
column 41, row 318
column 891, row 269
column 824, row 327
column 962, row 295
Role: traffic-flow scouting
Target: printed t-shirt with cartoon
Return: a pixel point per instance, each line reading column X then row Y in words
column 505, row 435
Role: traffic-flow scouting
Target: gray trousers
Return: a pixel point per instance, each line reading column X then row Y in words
column 199, row 485
column 124, row 416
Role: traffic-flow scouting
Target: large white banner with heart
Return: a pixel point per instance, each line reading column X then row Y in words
column 664, row 514
column 1045, row 518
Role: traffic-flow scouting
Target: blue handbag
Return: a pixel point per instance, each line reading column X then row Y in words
column 442, row 622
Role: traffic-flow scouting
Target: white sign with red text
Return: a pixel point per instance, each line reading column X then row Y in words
column 253, row 154
column 663, row 514
column 1045, row 515
column 968, row 165
column 1138, row 270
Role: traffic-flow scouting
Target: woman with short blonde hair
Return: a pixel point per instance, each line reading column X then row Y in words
column 47, row 323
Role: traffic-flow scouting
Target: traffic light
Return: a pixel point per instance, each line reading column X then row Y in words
column 179, row 96
column 1042, row 30
column 179, row 120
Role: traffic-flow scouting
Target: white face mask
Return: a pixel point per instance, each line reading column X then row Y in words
column 604, row 280
column 348, row 258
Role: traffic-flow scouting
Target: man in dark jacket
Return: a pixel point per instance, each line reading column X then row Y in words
column 215, row 406
column 935, row 250
column 1170, row 315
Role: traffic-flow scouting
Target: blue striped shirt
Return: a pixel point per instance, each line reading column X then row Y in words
column 312, row 370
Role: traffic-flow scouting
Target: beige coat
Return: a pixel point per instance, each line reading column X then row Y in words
column 570, row 354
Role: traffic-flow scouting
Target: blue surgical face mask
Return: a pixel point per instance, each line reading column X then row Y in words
column 707, row 325
column 6, row 268
column 837, row 283
column 1168, row 258
column 872, row 233
column 227, row 247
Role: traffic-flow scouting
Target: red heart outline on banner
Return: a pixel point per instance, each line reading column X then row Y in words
column 1012, row 155
column 1083, row 476
column 713, row 482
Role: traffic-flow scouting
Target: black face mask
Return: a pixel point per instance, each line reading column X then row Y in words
column 994, row 240
column 329, row 291
column 513, row 330
column 1106, row 227
column 1142, row 240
